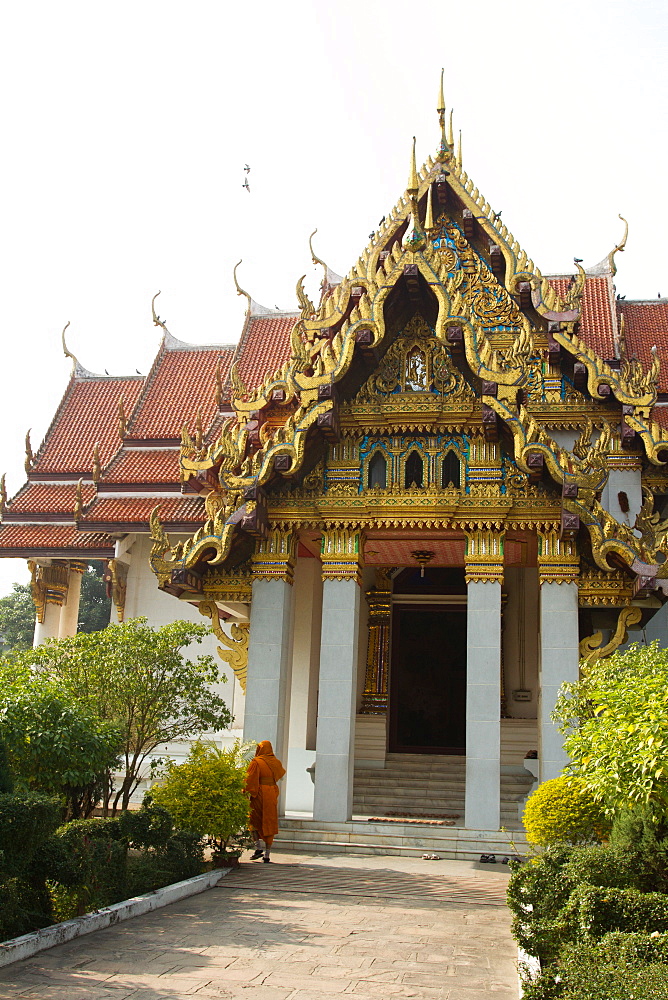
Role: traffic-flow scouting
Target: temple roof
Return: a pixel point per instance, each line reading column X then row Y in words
column 132, row 513
column 87, row 415
column 142, row 465
column 54, row 541
column 598, row 324
column 646, row 326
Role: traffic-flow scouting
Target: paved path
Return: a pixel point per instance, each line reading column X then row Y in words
column 303, row 928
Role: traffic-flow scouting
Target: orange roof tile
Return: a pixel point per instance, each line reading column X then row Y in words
column 87, row 414
column 265, row 346
column 660, row 414
column 646, row 325
column 48, row 498
column 182, row 382
column 53, row 539
column 136, row 465
column 596, row 323
column 137, row 510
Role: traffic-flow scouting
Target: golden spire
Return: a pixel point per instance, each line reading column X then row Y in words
column 451, row 138
column 239, row 289
column 459, row 149
column 429, row 217
column 30, row 458
column 444, row 150
column 441, row 97
column 412, row 176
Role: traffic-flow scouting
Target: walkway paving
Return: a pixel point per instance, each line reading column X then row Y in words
column 304, row 928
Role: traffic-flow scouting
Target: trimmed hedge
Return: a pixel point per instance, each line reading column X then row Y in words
column 592, row 912
column 562, row 811
column 619, row 967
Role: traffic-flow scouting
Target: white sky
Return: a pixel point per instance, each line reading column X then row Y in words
column 125, row 128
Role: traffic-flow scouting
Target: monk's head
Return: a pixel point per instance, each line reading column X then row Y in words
column 264, row 749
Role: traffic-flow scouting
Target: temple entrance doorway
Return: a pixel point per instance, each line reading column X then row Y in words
column 428, row 664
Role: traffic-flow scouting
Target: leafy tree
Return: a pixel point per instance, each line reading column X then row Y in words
column 616, row 724
column 58, row 747
column 95, row 606
column 17, row 617
column 205, row 793
column 136, row 678
column 17, row 611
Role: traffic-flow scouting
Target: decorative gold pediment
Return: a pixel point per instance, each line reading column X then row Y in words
column 416, row 363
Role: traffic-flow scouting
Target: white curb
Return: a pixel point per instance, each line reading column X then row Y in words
column 29, row 944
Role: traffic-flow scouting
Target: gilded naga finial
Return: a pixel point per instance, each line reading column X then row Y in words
column 314, row 257
column 3, row 495
column 97, row 465
column 619, row 248
column 122, row 419
column 30, row 458
column 239, row 289
column 156, row 319
column 66, row 352
column 307, row 307
column 78, row 501
column 199, row 432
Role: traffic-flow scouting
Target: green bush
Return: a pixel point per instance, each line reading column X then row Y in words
column 22, row 908
column 99, row 859
column 150, row 826
column 619, row 967
column 27, row 820
column 592, row 911
column 562, row 811
column 181, row 858
column 205, row 793
column 540, row 891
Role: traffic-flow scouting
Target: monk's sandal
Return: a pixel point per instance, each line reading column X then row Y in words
column 256, row 856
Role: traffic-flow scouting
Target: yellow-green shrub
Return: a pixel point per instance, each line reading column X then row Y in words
column 562, row 811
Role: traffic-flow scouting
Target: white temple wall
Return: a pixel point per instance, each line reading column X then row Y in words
column 520, row 643
column 626, row 481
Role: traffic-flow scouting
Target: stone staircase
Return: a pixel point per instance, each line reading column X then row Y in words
column 403, row 808
column 426, row 786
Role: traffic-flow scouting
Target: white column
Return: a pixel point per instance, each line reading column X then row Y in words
column 335, row 744
column 559, row 662
column 304, row 688
column 50, row 627
column 269, row 660
column 69, row 615
column 483, row 700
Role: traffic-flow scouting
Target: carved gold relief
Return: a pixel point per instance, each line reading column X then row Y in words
column 235, row 652
column 591, row 648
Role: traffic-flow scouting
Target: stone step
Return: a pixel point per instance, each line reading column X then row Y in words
column 408, row 839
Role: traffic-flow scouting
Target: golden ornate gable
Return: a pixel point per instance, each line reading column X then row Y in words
column 443, row 328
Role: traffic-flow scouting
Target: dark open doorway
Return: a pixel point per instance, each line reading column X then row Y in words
column 428, row 679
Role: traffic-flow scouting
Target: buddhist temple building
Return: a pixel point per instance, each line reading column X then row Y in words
column 407, row 509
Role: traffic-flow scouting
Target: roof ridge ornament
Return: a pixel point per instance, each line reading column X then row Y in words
column 619, row 248
column 156, row 319
column 414, row 238
column 3, row 495
column 30, row 458
column 67, row 352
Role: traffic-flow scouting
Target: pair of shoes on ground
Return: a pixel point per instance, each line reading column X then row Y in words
column 488, row 859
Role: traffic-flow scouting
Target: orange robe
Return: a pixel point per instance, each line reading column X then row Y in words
column 263, row 773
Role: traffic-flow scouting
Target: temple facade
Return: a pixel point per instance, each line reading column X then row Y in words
column 408, row 510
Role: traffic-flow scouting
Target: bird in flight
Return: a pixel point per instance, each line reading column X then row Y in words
column 246, row 185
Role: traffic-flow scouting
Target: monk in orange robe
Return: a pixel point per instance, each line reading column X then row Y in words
column 263, row 772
